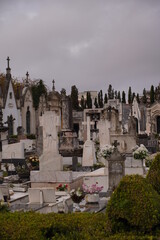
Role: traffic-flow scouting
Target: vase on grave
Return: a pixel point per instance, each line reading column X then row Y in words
column 92, row 198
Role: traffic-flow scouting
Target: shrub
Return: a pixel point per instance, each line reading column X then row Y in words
column 30, row 225
column 134, row 205
column 153, row 175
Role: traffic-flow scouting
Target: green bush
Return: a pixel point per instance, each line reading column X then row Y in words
column 153, row 175
column 134, row 205
column 30, row 225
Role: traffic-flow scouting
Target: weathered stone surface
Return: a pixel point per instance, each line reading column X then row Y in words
column 89, row 157
column 50, row 159
column 42, row 195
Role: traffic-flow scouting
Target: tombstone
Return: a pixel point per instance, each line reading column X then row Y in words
column 89, row 157
column 66, row 113
column 50, row 159
column 41, row 195
column 74, row 163
column 115, row 169
column 104, row 134
column 1, row 196
column 20, row 133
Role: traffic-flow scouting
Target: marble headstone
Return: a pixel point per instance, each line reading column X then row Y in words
column 50, row 159
column 89, row 157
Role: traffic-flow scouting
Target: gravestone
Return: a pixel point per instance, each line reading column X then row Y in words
column 66, row 113
column 89, row 157
column 50, row 159
column 41, row 195
column 115, row 169
column 104, row 134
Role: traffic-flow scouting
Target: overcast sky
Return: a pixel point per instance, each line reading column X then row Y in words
column 87, row 43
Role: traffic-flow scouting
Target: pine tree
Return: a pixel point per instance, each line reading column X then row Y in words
column 152, row 95
column 89, row 100
column 105, row 98
column 123, row 97
column 74, row 97
column 144, row 98
column 129, row 95
column 95, row 103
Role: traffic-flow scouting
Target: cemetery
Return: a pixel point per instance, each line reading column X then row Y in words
column 77, row 162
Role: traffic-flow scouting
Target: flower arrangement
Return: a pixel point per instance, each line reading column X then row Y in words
column 34, row 160
column 94, row 188
column 106, row 151
column 77, row 195
column 61, row 187
column 140, row 152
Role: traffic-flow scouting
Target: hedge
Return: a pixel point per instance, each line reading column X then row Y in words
column 153, row 175
column 134, row 205
column 76, row 226
column 30, row 225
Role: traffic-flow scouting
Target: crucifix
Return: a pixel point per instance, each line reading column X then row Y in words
column 116, row 143
column 53, row 87
column 8, row 61
column 27, row 75
column 88, row 123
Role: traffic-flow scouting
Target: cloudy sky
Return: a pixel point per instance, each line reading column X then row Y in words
column 87, row 43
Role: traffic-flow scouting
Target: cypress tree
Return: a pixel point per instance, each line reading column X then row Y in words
column 144, row 98
column 82, row 102
column 116, row 95
column 129, row 95
column 105, row 98
column 37, row 90
column 152, row 95
column 89, row 100
column 74, row 97
column 133, row 95
column 110, row 92
column 138, row 100
column 119, row 96
column 123, row 97
column 100, row 99
column 95, row 103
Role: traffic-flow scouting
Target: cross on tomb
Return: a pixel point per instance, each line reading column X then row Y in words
column 88, row 123
column 116, row 143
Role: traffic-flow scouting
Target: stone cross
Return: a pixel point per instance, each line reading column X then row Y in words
column 8, row 61
column 53, row 87
column 116, row 143
column 88, row 123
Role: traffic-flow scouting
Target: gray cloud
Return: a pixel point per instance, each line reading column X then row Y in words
column 89, row 44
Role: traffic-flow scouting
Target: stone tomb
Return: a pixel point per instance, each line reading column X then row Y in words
column 133, row 166
column 50, row 159
column 50, row 173
column 41, row 195
column 115, row 170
